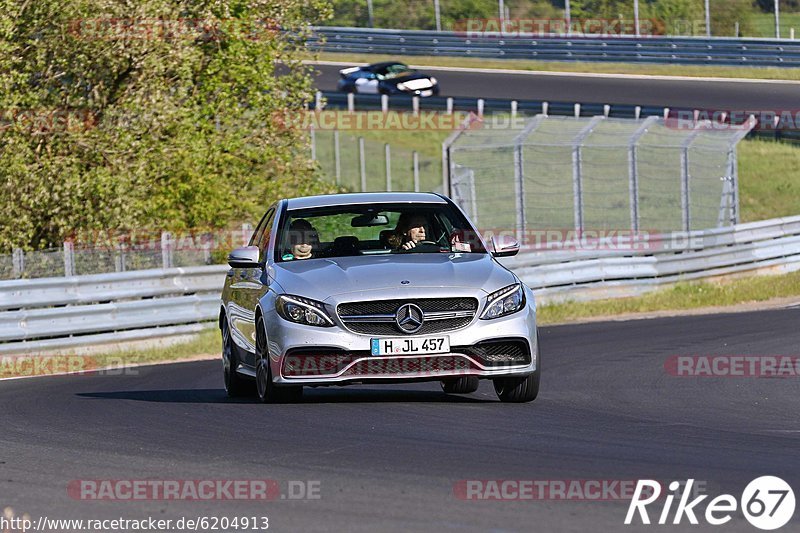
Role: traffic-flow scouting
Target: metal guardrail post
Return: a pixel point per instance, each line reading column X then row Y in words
column 337, row 161
column 69, row 259
column 415, row 164
column 166, row 250
column 686, row 177
column 318, row 101
column 18, row 262
column 351, row 102
column 519, row 178
column 577, row 171
column 447, row 160
column 633, row 170
column 385, row 103
column 387, row 156
column 362, row 164
column 313, row 135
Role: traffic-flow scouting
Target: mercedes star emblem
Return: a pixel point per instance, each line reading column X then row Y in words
column 409, row 318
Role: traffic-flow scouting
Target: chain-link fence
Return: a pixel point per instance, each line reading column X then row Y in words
column 597, row 173
column 361, row 164
column 171, row 250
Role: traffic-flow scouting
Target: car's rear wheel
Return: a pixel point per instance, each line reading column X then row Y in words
column 462, row 385
column 235, row 385
column 267, row 391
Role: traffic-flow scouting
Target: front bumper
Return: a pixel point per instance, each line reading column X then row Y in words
column 305, row 355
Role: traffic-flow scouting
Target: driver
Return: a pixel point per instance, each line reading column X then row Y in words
column 411, row 229
column 303, row 239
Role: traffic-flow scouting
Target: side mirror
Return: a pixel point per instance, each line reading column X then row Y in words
column 504, row 247
column 244, row 257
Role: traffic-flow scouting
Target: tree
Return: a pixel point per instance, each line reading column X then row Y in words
column 148, row 113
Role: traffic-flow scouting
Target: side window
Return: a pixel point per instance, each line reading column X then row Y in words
column 264, row 239
column 255, row 238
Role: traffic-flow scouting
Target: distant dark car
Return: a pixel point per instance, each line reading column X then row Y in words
column 387, row 78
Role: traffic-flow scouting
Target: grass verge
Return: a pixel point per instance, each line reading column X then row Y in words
column 646, row 69
column 681, row 297
column 204, row 343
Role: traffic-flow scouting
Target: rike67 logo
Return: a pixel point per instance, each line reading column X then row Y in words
column 767, row 503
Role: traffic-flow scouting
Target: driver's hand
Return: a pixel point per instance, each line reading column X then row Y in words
column 409, row 245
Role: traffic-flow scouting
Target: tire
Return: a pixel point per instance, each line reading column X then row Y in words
column 267, row 391
column 524, row 389
column 235, row 385
column 463, row 385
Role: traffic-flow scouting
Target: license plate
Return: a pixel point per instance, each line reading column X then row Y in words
column 410, row 346
column 426, row 93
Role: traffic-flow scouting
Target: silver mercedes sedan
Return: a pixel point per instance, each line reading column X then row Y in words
column 375, row 288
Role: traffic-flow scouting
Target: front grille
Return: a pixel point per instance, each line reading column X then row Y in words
column 317, row 362
column 377, row 317
column 408, row 366
column 498, row 353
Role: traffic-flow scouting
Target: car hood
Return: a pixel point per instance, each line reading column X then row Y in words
column 325, row 277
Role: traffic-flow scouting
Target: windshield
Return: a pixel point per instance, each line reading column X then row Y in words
column 351, row 230
column 394, row 71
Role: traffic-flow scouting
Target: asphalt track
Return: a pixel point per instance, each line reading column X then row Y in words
column 679, row 93
column 387, row 457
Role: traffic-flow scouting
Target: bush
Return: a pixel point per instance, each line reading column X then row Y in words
column 109, row 125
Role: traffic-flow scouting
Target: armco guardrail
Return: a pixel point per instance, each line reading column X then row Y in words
column 402, row 103
column 675, row 50
column 772, row 245
column 63, row 313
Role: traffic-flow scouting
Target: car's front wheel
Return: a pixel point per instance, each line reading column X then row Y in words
column 267, row 391
column 462, row 385
column 517, row 390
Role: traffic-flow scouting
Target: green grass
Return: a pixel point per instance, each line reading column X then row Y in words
column 205, row 343
column 759, row 73
column 763, row 25
column 769, row 180
column 682, row 296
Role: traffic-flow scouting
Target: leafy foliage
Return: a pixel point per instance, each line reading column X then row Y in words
column 122, row 114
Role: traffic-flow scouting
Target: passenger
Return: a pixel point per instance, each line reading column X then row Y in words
column 411, row 230
column 303, row 239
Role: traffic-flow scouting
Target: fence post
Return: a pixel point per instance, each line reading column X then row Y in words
column 415, row 105
column 362, row 163
column 577, row 171
column 385, row 103
column 514, row 106
column 351, row 102
column 633, row 170
column 337, row 161
column 18, row 262
column 313, row 143
column 449, row 105
column 318, row 101
column 545, row 108
column 69, row 259
column 247, row 232
column 415, row 164
column 480, row 107
column 387, row 156
column 119, row 258
column 166, row 249
column 685, row 177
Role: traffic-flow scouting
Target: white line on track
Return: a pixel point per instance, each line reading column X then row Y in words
column 574, row 74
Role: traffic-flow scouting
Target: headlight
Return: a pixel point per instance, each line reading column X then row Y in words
column 302, row 311
column 504, row 302
column 433, row 80
column 402, row 86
